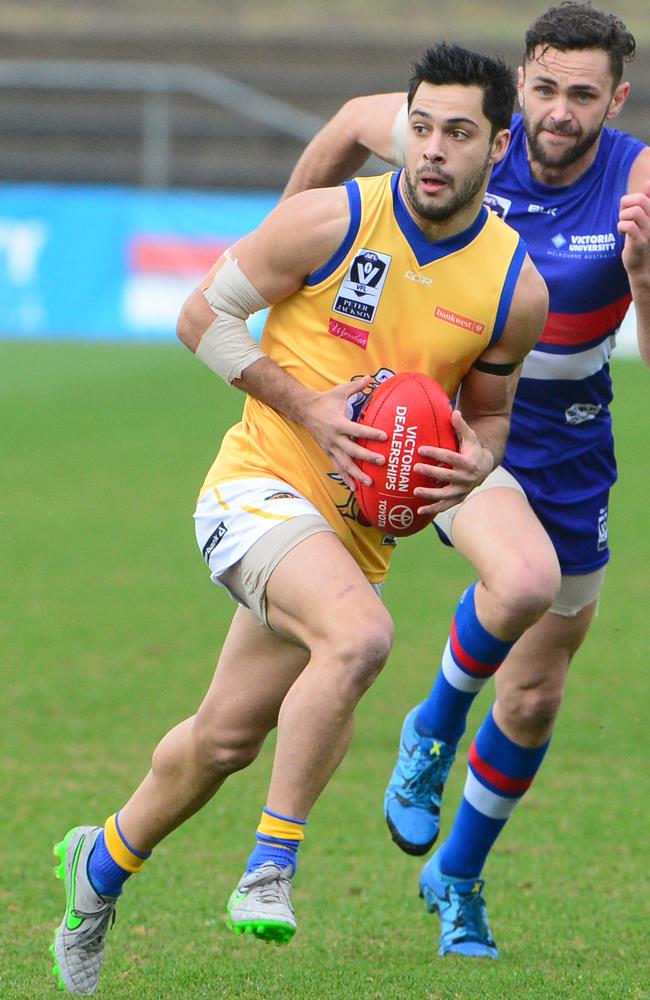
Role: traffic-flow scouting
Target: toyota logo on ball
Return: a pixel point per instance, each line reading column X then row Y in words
column 400, row 517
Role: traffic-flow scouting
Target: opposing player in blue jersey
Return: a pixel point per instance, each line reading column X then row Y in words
column 579, row 194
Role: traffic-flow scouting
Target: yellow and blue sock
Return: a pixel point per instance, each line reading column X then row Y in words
column 471, row 657
column 499, row 774
column 113, row 860
column 278, row 839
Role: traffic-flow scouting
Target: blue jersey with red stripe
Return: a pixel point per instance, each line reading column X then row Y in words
column 561, row 409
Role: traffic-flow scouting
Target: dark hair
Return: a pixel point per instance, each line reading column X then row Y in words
column 575, row 25
column 452, row 64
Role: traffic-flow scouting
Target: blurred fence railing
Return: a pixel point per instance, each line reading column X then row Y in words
column 158, row 83
column 163, row 124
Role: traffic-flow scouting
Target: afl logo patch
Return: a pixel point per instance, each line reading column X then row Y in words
column 360, row 291
column 500, row 206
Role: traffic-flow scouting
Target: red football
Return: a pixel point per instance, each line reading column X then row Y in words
column 413, row 410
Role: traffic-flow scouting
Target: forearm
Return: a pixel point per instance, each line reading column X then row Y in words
column 322, row 414
column 485, row 401
column 271, row 384
column 640, row 286
column 261, row 378
column 492, row 433
column 331, row 157
column 364, row 125
column 634, row 225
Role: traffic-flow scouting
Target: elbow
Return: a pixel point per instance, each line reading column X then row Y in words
column 643, row 344
column 193, row 320
column 351, row 117
column 184, row 330
column 644, row 349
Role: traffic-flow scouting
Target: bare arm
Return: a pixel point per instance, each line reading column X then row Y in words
column 634, row 223
column 362, row 126
column 295, row 239
column 486, row 400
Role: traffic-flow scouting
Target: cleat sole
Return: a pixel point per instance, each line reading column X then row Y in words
column 431, row 904
column 263, row 930
column 56, row 972
column 415, row 850
column 59, row 851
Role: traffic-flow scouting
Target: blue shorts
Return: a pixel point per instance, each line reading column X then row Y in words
column 572, row 510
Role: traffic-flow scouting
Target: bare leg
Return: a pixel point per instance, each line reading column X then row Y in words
column 339, row 617
column 254, row 672
column 530, row 682
column 519, row 573
column 497, row 531
column 318, row 596
column 333, row 622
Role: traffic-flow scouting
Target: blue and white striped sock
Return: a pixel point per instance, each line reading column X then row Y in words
column 499, row 774
column 471, row 657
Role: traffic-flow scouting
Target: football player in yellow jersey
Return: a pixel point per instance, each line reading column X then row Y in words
column 311, row 633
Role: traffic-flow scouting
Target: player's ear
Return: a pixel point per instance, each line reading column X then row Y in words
column 500, row 145
column 521, row 76
column 619, row 98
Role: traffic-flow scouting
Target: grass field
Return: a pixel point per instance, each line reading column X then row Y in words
column 109, row 630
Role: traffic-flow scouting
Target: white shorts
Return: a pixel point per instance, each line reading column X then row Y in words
column 245, row 527
column 232, row 516
column 576, row 591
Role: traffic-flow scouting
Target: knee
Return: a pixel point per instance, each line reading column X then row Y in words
column 361, row 649
column 220, row 751
column 531, row 710
column 536, row 588
column 526, row 589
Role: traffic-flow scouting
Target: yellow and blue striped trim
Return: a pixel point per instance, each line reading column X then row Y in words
column 119, row 848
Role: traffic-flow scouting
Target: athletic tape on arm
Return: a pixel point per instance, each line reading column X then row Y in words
column 226, row 346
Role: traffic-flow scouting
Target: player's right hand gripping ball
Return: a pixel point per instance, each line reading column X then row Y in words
column 413, row 410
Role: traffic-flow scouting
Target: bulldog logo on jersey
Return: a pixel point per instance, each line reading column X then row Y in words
column 353, row 407
column 360, row 291
column 354, row 404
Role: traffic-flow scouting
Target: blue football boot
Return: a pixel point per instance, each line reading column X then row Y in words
column 464, row 928
column 414, row 793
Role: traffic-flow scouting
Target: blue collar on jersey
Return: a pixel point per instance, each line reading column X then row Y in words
column 425, row 251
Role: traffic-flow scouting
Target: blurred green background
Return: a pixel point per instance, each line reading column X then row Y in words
column 109, row 632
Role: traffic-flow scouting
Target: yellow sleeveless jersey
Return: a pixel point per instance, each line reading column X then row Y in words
column 387, row 301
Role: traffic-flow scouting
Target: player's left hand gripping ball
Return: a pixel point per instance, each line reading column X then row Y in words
column 414, row 411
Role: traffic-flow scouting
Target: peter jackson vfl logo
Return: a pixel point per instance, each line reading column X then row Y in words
column 360, row 291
